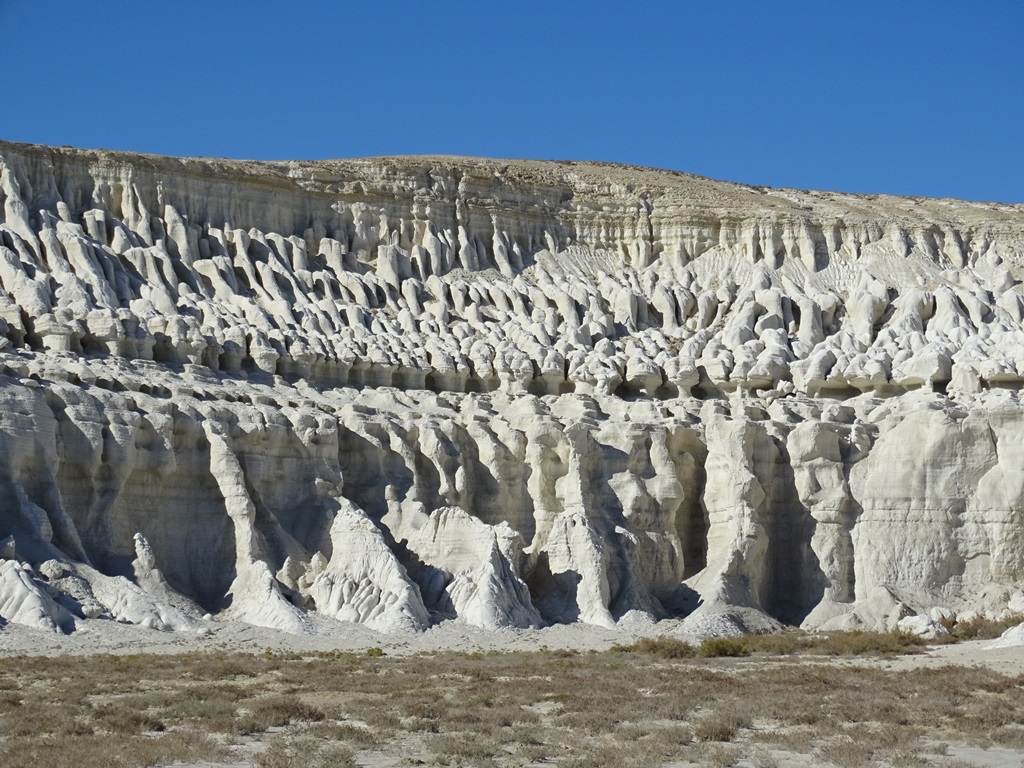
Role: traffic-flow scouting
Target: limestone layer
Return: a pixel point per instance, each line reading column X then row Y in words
column 398, row 390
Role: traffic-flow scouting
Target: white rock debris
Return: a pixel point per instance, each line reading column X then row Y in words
column 397, row 391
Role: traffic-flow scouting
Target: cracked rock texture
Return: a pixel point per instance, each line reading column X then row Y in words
column 396, row 391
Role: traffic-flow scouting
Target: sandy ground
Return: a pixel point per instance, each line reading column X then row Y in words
column 100, row 637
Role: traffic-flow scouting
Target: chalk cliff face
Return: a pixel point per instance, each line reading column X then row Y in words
column 399, row 390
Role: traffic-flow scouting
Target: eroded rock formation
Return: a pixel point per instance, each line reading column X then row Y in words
column 399, row 390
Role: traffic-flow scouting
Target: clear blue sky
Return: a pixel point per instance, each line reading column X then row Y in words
column 905, row 96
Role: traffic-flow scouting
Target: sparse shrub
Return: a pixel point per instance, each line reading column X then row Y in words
column 9, row 700
column 672, row 737
column 720, row 756
column 533, row 753
column 663, row 647
column 105, row 750
column 375, row 652
column 382, row 721
column 595, row 721
column 857, row 643
column 763, row 758
column 718, row 726
column 282, row 710
column 425, row 709
column 78, row 727
column 276, row 756
column 846, row 753
column 806, row 715
column 980, row 628
column 714, row 647
column 305, row 752
column 463, row 748
column 118, row 718
column 777, row 643
column 603, row 755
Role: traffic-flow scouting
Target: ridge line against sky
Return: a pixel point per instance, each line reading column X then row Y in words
column 916, row 98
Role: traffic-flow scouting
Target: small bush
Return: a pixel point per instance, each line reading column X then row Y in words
column 307, row 753
column 283, row 710
column 117, row 718
column 720, row 756
column 763, row 758
column 663, row 647
column 714, row 647
column 857, row 643
column 846, row 754
column 604, row 755
column 672, row 737
column 718, row 727
column 376, row 652
column 777, row 643
column 980, row 628
column 1011, row 737
column 457, row 749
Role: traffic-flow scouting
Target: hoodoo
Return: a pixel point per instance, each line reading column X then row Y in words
column 396, row 391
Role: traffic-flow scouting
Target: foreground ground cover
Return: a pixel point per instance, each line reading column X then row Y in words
column 658, row 702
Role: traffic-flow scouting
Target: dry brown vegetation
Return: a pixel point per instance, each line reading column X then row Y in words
column 979, row 627
column 657, row 702
column 854, row 643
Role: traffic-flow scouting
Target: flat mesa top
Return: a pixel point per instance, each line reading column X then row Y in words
column 558, row 183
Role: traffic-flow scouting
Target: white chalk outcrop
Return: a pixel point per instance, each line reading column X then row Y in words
column 23, row 601
column 396, row 391
column 364, row 582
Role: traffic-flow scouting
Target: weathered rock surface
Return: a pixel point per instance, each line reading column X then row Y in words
column 399, row 390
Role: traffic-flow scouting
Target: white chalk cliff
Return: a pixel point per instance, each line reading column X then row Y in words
column 396, row 391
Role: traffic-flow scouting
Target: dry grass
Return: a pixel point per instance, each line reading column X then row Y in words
column 980, row 628
column 650, row 704
column 85, row 750
column 852, row 643
column 719, row 727
column 306, row 752
column 716, row 647
column 663, row 647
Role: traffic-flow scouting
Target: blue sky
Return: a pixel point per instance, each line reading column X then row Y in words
column 903, row 97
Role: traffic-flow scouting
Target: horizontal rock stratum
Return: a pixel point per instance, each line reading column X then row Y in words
column 400, row 390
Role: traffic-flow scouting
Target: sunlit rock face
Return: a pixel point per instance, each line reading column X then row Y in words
column 397, row 391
